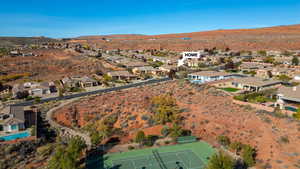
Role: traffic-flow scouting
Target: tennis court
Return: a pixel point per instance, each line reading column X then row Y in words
column 183, row 156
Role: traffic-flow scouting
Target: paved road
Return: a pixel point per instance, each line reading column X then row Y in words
column 65, row 131
column 152, row 81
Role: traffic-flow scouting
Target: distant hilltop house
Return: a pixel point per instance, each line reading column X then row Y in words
column 12, row 119
column 210, row 76
column 121, row 75
column 82, row 82
column 33, row 89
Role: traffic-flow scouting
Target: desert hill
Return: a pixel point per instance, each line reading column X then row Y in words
column 269, row 38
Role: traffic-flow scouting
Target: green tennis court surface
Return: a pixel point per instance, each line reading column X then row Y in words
column 185, row 156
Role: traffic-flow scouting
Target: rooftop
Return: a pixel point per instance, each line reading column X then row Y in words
column 255, row 81
column 290, row 92
column 210, row 73
column 121, row 73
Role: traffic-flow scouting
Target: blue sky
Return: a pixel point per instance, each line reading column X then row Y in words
column 71, row 18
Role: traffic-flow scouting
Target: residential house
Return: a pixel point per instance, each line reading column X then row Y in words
column 164, row 60
column 121, row 75
column 264, row 73
column 288, row 96
column 87, row 82
column 12, row 119
column 133, row 64
column 167, row 68
column 253, row 66
column 34, row 88
column 254, row 83
column 283, row 71
column 77, row 81
column 146, row 70
column 209, row 76
column 284, row 60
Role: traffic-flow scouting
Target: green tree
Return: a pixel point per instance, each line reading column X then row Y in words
column 269, row 59
column 66, row 156
column 284, row 78
column 176, row 131
column 248, row 155
column 295, row 61
column 262, row 53
column 96, row 138
column 220, row 161
column 165, row 109
column 140, row 137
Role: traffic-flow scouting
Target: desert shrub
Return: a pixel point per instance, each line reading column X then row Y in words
column 140, row 137
column 45, row 150
column 167, row 142
column 130, row 147
column 176, row 131
column 297, row 115
column 223, row 140
column 95, row 138
column 220, row 161
column 248, row 155
column 165, row 131
column 132, row 117
column 150, row 140
column 151, row 121
column 236, row 146
column 111, row 119
column 145, row 117
column 284, row 139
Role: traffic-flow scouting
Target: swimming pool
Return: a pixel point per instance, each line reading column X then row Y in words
column 15, row 136
column 290, row 108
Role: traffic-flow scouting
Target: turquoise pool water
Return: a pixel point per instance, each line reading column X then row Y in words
column 291, row 108
column 15, row 136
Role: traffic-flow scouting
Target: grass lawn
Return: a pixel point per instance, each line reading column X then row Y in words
column 229, row 89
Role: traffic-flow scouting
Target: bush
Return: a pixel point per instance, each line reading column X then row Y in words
column 284, row 139
column 165, row 108
column 96, row 138
column 140, row 137
column 165, row 131
column 130, row 148
column 150, row 140
column 176, row 131
column 223, row 140
column 236, row 146
column 248, row 155
column 167, row 142
column 220, row 161
column 145, row 117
